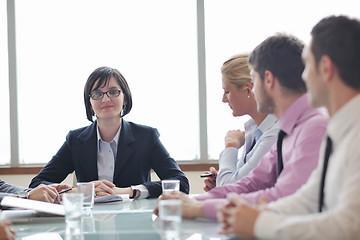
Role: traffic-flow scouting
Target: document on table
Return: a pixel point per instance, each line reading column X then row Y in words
column 112, row 198
column 13, row 214
column 45, row 207
column 43, row 236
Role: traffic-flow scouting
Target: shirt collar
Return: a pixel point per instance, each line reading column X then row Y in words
column 342, row 122
column 115, row 139
column 249, row 125
column 257, row 131
column 267, row 123
column 292, row 113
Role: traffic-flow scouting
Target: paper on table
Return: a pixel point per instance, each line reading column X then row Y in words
column 33, row 205
column 43, row 236
column 12, row 214
column 112, row 198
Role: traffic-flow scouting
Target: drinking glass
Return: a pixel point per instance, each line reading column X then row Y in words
column 88, row 189
column 73, row 205
column 170, row 185
column 170, row 218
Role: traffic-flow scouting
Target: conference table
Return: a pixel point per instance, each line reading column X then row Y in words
column 130, row 219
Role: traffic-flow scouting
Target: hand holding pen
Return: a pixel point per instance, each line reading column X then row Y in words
column 61, row 188
column 210, row 181
column 206, row 175
column 65, row 190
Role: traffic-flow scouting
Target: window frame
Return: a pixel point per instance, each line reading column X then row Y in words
column 16, row 168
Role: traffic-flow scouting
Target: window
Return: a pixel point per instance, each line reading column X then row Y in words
column 233, row 26
column 58, row 49
column 4, row 96
column 154, row 45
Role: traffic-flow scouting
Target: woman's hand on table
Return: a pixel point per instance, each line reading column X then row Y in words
column 103, row 188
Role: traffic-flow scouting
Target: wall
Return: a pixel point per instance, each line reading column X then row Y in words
column 196, row 183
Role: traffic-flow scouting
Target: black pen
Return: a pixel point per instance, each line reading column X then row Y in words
column 65, row 190
column 206, row 175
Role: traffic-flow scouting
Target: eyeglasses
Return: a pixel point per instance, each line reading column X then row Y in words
column 112, row 93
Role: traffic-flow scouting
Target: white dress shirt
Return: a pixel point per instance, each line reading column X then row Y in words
column 106, row 155
column 297, row 216
column 231, row 168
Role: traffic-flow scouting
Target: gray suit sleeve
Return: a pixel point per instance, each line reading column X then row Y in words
column 2, row 195
column 8, row 188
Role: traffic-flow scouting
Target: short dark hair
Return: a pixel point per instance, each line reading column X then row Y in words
column 280, row 54
column 339, row 38
column 103, row 74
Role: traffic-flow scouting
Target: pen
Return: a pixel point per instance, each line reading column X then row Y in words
column 206, row 175
column 65, row 190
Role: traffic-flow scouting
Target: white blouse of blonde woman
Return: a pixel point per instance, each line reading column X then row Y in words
column 260, row 131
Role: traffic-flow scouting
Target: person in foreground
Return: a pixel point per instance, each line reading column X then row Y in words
column 260, row 131
column 6, row 232
column 45, row 193
column 328, row 205
column 115, row 154
column 276, row 67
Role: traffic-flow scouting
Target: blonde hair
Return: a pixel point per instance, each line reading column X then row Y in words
column 236, row 70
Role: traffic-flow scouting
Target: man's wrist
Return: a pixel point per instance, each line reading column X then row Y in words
column 198, row 209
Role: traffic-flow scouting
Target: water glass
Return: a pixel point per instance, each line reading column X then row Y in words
column 88, row 223
column 73, row 205
column 88, row 190
column 170, row 185
column 170, row 218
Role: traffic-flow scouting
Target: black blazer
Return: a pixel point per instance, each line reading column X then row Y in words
column 139, row 151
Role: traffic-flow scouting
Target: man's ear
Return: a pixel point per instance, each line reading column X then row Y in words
column 269, row 79
column 326, row 68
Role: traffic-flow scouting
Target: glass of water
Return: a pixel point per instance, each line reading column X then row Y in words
column 170, row 185
column 88, row 190
column 170, row 218
column 73, row 205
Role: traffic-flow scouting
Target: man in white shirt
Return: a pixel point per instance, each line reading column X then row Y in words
column 328, row 205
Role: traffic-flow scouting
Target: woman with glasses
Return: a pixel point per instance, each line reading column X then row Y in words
column 260, row 131
column 116, row 155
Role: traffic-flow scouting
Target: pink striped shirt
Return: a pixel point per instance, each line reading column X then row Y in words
column 305, row 128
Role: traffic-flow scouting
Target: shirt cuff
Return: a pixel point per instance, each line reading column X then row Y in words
column 144, row 192
column 203, row 197
column 210, row 207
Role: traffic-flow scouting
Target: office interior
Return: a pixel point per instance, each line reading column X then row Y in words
column 169, row 52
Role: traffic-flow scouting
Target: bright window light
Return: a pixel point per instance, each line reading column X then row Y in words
column 234, row 26
column 4, row 96
column 152, row 43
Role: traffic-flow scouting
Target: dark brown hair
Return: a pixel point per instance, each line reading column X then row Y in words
column 339, row 38
column 103, row 74
column 281, row 55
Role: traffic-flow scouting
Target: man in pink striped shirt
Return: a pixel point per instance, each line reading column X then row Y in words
column 276, row 67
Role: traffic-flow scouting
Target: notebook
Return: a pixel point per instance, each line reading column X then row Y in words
column 112, row 198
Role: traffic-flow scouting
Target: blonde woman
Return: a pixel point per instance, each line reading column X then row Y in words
column 260, row 131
